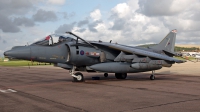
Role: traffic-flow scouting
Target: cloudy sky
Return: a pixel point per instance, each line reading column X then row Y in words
column 130, row 22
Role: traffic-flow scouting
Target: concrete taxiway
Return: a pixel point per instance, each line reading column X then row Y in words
column 51, row 89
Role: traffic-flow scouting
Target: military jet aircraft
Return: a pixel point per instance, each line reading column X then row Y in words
column 73, row 53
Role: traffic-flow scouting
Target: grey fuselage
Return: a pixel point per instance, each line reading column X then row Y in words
column 82, row 55
column 72, row 54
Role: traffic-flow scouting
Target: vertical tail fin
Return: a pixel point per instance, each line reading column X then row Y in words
column 167, row 44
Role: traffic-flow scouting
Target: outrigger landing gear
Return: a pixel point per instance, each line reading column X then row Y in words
column 121, row 75
column 78, row 77
column 105, row 74
column 152, row 77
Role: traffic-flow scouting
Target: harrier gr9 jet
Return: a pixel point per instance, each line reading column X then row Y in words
column 73, row 53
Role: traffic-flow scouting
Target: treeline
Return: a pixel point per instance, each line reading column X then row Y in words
column 190, row 49
column 177, row 48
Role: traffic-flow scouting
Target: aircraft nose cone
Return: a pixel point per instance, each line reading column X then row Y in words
column 19, row 53
column 7, row 53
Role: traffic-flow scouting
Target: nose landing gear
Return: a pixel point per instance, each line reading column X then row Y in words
column 78, row 77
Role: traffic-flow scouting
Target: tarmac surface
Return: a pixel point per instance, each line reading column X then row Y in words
column 50, row 89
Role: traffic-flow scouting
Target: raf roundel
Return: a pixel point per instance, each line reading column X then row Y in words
column 82, row 52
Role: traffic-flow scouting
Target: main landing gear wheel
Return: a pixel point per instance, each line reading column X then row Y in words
column 105, row 74
column 152, row 77
column 79, row 77
column 121, row 75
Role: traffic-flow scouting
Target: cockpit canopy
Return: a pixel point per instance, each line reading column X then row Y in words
column 54, row 39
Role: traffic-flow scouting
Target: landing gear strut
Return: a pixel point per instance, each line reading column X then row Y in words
column 78, row 77
column 121, row 75
column 152, row 77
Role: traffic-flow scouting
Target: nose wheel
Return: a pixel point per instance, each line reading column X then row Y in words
column 152, row 77
column 78, row 77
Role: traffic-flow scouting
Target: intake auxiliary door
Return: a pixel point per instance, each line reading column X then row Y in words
column 102, row 56
column 68, row 54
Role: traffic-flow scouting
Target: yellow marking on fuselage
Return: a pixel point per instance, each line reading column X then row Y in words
column 55, row 56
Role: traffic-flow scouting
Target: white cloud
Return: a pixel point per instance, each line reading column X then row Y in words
column 133, row 4
column 140, row 18
column 96, row 15
column 152, row 29
column 133, row 22
column 121, row 10
column 128, row 25
column 176, row 7
column 101, row 27
column 57, row 2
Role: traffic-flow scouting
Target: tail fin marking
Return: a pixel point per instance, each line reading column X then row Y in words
column 168, row 43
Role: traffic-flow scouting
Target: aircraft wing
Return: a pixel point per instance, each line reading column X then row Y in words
column 139, row 52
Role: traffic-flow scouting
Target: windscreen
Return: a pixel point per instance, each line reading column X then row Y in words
column 54, row 39
column 45, row 41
